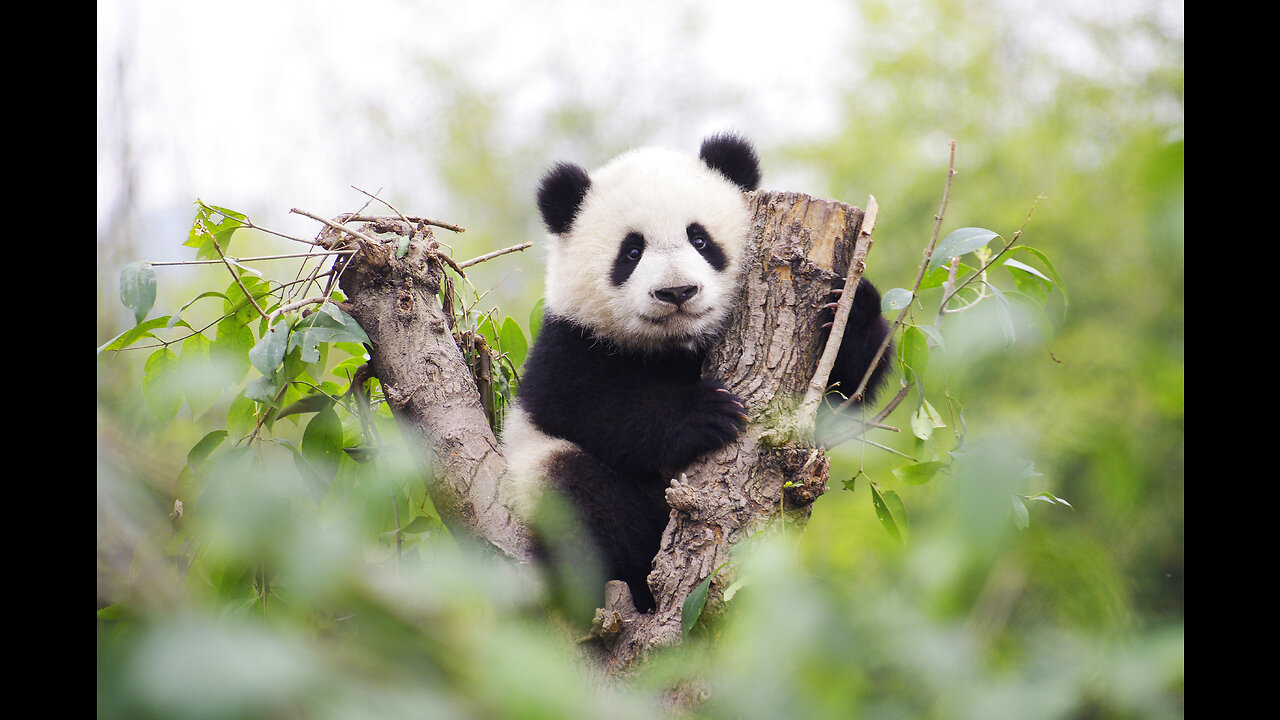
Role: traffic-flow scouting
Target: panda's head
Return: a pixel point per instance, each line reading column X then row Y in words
column 647, row 250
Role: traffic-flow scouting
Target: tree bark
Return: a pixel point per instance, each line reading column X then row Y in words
column 799, row 248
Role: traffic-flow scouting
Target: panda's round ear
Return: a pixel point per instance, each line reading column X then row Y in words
column 732, row 156
column 560, row 194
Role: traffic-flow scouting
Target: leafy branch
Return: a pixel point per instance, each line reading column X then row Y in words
column 941, row 266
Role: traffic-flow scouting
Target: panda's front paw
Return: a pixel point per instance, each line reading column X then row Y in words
column 721, row 415
column 713, row 418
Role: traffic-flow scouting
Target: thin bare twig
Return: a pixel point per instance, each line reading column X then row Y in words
column 247, row 223
column 259, row 257
column 494, row 254
column 384, row 202
column 857, row 264
column 865, row 425
column 410, row 219
column 294, row 306
column 234, row 275
column 336, row 226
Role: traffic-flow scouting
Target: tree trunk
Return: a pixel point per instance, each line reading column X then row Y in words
column 799, row 248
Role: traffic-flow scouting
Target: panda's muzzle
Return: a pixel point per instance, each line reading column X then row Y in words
column 677, row 295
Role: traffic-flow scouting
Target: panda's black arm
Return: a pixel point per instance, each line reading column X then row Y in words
column 863, row 334
column 636, row 414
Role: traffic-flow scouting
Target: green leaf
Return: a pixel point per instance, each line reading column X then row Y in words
column 115, row 611
column 1030, row 284
column 310, row 403
column 138, row 288
column 241, row 417
column 535, row 319
column 1021, row 517
column 322, row 443
column 267, row 355
column 348, row 324
column 263, row 389
column 1034, row 313
column 960, row 242
column 1015, row 265
column 934, row 338
column 895, row 299
column 328, row 325
column 1004, row 313
column 1049, row 268
column 197, row 373
column 693, row 604
column 489, row 331
column 919, row 473
column 1049, row 498
column 137, row 332
column 421, row 524
column 914, row 350
column 884, row 513
column 925, row 419
column 212, row 293
column 212, row 222
column 203, row 449
column 237, row 303
column 938, row 276
column 161, row 388
column 513, row 342
column 230, row 350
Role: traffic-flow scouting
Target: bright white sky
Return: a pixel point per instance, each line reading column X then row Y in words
column 264, row 105
column 260, row 104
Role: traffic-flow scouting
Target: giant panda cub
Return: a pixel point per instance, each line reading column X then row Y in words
column 645, row 260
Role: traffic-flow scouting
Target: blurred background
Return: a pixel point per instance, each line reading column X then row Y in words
column 452, row 111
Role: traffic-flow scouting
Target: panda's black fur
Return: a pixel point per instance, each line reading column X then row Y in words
column 610, row 409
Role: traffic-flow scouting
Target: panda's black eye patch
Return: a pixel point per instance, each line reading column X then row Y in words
column 629, row 254
column 701, row 241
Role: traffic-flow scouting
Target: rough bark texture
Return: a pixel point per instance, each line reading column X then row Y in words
column 799, row 247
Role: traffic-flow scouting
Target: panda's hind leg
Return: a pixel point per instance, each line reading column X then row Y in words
column 623, row 519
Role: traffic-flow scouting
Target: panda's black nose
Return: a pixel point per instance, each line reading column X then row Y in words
column 676, row 295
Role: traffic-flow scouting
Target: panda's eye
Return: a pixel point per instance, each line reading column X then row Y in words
column 627, row 259
column 632, row 246
column 701, row 241
column 698, row 237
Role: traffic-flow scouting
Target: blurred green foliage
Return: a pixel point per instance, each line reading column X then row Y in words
column 264, row 598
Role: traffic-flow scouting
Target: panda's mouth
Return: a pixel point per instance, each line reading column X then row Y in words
column 677, row 315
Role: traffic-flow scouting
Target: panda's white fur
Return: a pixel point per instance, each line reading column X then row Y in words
column 656, row 192
column 529, row 453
